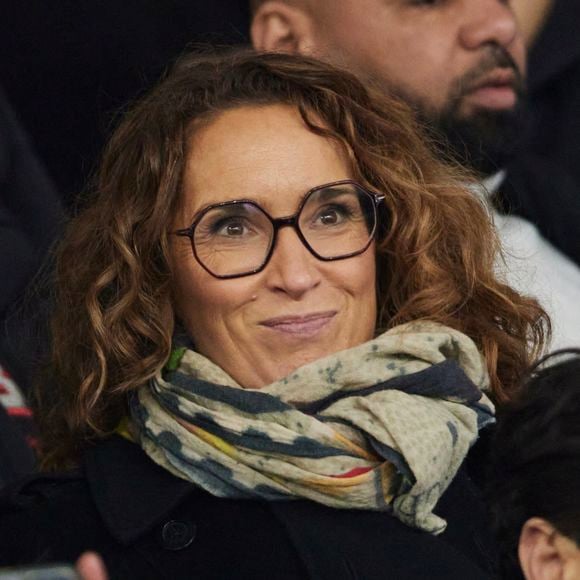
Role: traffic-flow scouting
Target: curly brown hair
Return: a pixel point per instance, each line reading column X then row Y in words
column 112, row 328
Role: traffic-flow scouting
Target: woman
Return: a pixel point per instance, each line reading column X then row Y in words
column 273, row 329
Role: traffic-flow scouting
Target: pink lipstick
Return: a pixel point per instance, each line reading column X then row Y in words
column 300, row 325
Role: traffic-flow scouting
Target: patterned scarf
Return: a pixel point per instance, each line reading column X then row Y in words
column 381, row 426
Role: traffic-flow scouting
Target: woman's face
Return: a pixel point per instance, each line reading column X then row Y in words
column 260, row 327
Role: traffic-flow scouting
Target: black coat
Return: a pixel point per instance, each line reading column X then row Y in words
column 543, row 181
column 554, row 87
column 30, row 209
column 148, row 524
column 30, row 216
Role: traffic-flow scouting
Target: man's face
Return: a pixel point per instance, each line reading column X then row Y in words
column 459, row 62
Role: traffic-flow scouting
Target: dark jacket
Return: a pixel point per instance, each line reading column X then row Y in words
column 30, row 209
column 16, row 456
column 148, row 524
column 30, row 216
column 543, row 181
column 554, row 88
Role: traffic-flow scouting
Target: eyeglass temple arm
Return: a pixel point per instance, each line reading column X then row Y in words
column 188, row 232
column 378, row 197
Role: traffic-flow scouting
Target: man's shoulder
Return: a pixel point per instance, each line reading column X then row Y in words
column 546, row 194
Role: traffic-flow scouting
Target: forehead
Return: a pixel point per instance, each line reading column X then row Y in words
column 388, row 24
column 397, row 16
column 262, row 153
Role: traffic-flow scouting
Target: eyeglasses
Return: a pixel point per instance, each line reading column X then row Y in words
column 236, row 238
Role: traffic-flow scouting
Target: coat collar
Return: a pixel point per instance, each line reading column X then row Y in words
column 131, row 492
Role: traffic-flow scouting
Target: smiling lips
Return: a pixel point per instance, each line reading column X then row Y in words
column 496, row 90
column 304, row 326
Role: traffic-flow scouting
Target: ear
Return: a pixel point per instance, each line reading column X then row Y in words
column 538, row 552
column 278, row 26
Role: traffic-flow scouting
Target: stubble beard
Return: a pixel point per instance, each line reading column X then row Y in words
column 485, row 140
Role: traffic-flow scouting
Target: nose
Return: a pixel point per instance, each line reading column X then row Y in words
column 292, row 269
column 487, row 22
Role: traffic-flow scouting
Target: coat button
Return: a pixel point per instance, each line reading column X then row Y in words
column 177, row 535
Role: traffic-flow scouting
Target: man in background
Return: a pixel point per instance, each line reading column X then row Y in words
column 461, row 65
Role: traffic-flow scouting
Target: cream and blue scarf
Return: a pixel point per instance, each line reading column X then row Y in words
column 381, row 426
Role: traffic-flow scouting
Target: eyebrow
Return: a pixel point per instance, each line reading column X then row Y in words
column 332, row 191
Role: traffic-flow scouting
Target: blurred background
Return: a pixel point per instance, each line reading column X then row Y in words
column 68, row 66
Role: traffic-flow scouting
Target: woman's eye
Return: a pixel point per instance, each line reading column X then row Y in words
column 224, row 227
column 425, row 2
column 232, row 229
column 329, row 218
column 332, row 216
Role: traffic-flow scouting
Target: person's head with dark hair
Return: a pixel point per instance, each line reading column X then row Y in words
column 459, row 63
column 535, row 488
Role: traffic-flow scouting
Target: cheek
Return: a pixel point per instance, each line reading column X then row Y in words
column 193, row 290
column 185, row 295
column 360, row 278
column 519, row 56
column 202, row 301
column 364, row 311
column 368, row 274
column 418, row 76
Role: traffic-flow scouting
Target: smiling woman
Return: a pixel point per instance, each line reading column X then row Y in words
column 305, row 299
column 283, row 298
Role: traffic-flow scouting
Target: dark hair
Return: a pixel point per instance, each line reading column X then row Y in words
column 113, row 322
column 536, row 457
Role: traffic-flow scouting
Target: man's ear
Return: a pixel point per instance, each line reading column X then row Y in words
column 278, row 26
column 538, row 551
